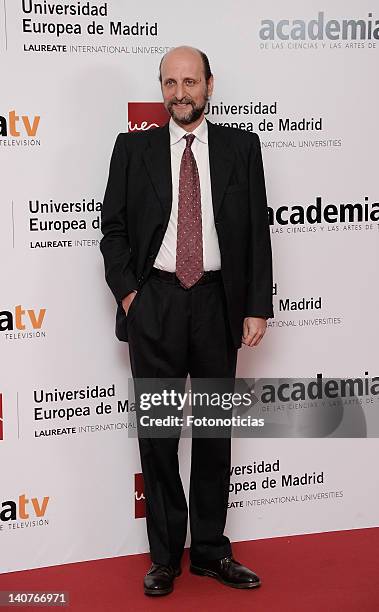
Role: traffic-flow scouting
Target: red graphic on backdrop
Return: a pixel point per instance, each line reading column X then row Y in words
column 1, row 418
column 146, row 115
column 139, row 497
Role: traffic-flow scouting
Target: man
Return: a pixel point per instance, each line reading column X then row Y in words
column 187, row 254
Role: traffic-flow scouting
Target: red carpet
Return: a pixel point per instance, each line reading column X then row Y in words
column 336, row 571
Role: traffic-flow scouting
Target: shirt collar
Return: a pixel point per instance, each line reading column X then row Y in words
column 177, row 132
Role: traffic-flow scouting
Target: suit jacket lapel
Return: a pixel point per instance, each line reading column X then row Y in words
column 157, row 158
column 220, row 164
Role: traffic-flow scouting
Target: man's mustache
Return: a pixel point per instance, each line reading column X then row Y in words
column 182, row 101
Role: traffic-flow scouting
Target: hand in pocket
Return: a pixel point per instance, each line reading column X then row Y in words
column 127, row 301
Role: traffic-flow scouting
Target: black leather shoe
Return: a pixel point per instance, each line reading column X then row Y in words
column 228, row 571
column 159, row 580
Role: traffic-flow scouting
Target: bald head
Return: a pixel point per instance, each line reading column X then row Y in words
column 185, row 54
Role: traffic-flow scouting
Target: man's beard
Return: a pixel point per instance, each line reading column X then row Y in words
column 193, row 115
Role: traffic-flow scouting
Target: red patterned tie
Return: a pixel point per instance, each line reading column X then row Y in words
column 189, row 245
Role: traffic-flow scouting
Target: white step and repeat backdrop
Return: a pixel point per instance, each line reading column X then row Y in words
column 73, row 75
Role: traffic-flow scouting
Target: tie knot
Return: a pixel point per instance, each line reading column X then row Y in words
column 189, row 140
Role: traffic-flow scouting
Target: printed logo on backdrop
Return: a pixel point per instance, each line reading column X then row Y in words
column 302, row 311
column 139, row 496
column 54, row 224
column 1, row 418
column 19, row 130
column 72, row 412
column 323, row 31
column 262, row 484
column 85, row 27
column 278, row 129
column 23, row 513
column 62, row 223
column 325, row 216
column 146, row 116
column 22, row 323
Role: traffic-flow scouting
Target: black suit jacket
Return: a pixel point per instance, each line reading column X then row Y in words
column 137, row 206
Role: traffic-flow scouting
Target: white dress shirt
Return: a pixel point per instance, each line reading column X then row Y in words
column 166, row 257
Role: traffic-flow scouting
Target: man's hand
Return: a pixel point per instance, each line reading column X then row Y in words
column 127, row 301
column 253, row 330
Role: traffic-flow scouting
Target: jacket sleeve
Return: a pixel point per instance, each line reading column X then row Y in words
column 260, row 281
column 114, row 245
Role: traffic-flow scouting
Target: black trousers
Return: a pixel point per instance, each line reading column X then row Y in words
column 174, row 332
